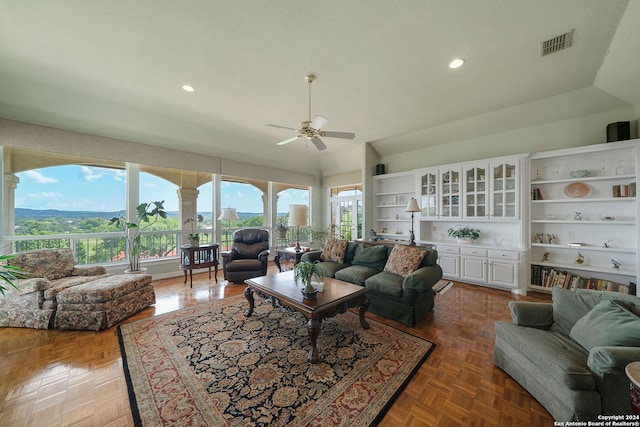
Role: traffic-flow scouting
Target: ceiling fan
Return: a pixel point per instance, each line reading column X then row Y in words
column 311, row 129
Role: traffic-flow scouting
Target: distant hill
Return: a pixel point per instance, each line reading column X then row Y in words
column 22, row 213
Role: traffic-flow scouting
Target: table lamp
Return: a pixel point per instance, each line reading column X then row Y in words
column 412, row 207
column 228, row 214
column 297, row 217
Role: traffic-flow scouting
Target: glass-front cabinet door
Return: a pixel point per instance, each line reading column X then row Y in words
column 504, row 189
column 476, row 192
column 429, row 194
column 450, row 196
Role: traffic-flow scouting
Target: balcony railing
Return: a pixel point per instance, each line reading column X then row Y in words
column 108, row 248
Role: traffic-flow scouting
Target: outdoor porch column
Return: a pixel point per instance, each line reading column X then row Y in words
column 188, row 198
column 8, row 203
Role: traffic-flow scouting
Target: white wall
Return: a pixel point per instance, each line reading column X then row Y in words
column 576, row 132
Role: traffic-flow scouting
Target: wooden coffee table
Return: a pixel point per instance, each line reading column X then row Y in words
column 336, row 298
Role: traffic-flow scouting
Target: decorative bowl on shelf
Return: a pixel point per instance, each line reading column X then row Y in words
column 607, row 218
column 577, row 190
column 580, row 173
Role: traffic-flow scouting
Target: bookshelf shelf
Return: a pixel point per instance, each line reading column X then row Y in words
column 608, row 173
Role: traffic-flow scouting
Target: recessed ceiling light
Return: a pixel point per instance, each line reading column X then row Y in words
column 188, row 88
column 456, row 63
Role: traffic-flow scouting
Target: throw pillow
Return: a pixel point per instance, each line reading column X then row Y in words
column 338, row 251
column 373, row 256
column 326, row 250
column 404, row 260
column 607, row 324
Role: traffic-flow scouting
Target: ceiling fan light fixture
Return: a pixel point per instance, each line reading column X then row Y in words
column 318, row 122
column 456, row 63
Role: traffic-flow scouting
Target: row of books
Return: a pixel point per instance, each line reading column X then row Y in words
column 549, row 277
column 624, row 190
column 536, row 194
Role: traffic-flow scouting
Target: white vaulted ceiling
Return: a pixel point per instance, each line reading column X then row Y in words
column 115, row 68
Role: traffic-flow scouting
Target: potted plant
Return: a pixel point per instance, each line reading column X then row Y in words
column 464, row 234
column 145, row 212
column 281, row 227
column 319, row 235
column 194, row 238
column 304, row 273
column 9, row 273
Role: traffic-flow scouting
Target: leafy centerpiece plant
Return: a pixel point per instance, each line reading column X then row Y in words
column 9, row 273
column 147, row 214
column 304, row 273
column 464, row 234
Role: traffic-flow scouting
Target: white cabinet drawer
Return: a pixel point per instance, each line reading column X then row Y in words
column 473, row 251
column 448, row 249
column 513, row 256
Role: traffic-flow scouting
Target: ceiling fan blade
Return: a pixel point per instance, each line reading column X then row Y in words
column 286, row 141
column 318, row 143
column 318, row 122
column 345, row 135
column 281, row 127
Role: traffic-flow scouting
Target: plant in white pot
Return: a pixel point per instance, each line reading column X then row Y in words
column 464, row 234
column 194, row 238
column 147, row 213
column 281, row 227
column 305, row 273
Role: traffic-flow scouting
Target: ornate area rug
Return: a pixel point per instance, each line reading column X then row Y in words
column 209, row 365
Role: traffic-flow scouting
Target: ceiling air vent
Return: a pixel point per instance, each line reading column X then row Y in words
column 556, row 44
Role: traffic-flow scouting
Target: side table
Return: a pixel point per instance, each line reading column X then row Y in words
column 203, row 256
column 633, row 372
column 288, row 253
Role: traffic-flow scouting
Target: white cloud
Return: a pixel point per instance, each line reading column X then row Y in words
column 239, row 195
column 88, row 174
column 149, row 184
column 37, row 177
column 118, row 175
column 45, row 195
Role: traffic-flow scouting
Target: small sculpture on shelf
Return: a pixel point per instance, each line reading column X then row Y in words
column 580, row 259
column 616, row 264
column 607, row 243
column 577, row 216
column 545, row 257
column 538, row 238
column 373, row 236
column 552, row 239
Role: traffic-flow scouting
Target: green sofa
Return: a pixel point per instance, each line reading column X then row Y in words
column 405, row 299
column 571, row 354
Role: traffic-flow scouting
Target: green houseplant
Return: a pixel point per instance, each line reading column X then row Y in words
column 9, row 273
column 147, row 213
column 464, row 233
column 304, row 273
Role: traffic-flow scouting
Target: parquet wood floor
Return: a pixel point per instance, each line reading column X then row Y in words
column 75, row 378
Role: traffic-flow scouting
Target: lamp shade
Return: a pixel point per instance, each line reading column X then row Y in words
column 412, row 206
column 228, row 214
column 298, row 215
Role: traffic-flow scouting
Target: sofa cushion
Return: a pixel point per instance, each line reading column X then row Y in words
column 351, row 251
column 608, row 324
column 570, row 306
column 385, row 283
column 374, row 256
column 330, row 268
column 404, row 259
column 51, row 264
column 26, row 286
column 564, row 359
column 334, row 250
column 104, row 289
column 356, row 274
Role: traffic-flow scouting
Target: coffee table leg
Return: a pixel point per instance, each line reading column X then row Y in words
column 364, row 305
column 313, row 326
column 248, row 294
column 276, row 259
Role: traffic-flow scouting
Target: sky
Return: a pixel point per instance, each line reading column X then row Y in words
column 84, row 188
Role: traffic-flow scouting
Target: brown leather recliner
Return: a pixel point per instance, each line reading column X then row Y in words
column 248, row 256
